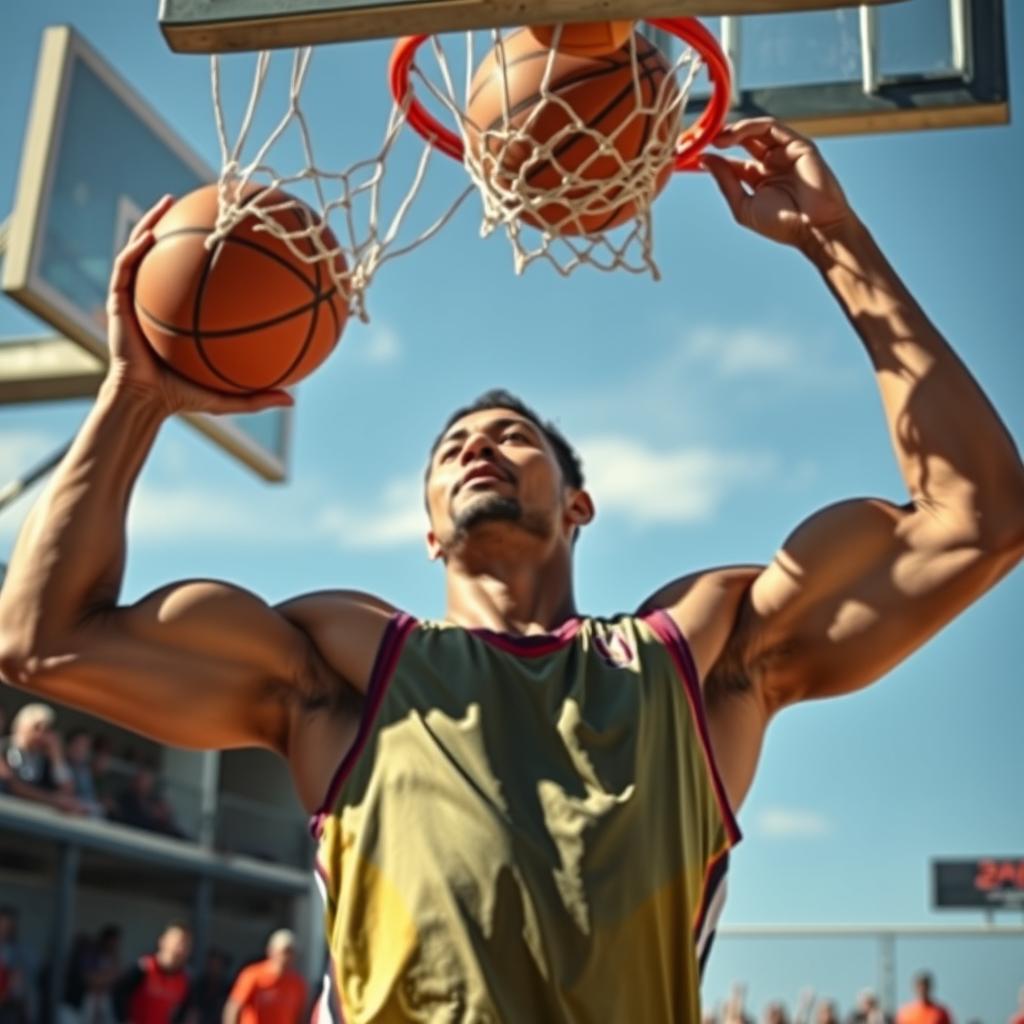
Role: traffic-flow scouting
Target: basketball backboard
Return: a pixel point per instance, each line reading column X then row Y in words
column 825, row 66
column 95, row 157
column 208, row 26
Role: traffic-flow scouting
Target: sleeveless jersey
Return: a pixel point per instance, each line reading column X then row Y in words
column 525, row 830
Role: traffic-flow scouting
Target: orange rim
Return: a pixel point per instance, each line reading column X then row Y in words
column 689, row 146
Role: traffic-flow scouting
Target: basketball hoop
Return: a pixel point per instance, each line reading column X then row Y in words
column 689, row 146
column 568, row 205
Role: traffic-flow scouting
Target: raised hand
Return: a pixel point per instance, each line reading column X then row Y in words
column 133, row 363
column 785, row 190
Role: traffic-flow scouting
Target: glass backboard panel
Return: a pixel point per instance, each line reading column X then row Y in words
column 78, row 199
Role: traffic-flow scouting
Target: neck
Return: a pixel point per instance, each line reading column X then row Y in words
column 511, row 595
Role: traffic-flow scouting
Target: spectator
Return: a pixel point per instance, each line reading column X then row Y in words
column 100, row 972
column 211, row 989
column 1017, row 1017
column 79, row 758
column 775, row 1013
column 826, row 1013
column 734, row 1011
column 868, row 1010
column 270, row 991
column 15, row 971
column 156, row 989
column 142, row 806
column 923, row 1009
column 35, row 759
column 104, row 776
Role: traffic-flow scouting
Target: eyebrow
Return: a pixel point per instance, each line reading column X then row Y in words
column 507, row 421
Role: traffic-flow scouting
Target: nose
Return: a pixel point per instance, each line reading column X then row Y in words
column 477, row 446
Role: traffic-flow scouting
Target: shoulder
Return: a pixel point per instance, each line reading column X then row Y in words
column 706, row 606
column 345, row 628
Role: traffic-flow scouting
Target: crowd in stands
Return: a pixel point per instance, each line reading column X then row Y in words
column 78, row 773
column 923, row 1008
column 158, row 988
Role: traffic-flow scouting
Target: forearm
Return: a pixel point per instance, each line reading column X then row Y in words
column 70, row 554
column 26, row 791
column 956, row 456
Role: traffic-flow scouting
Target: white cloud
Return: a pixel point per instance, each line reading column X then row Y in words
column 397, row 518
column 682, row 485
column 298, row 515
column 159, row 514
column 743, row 351
column 793, row 823
column 379, row 344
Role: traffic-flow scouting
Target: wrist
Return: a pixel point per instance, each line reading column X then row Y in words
column 120, row 390
column 837, row 244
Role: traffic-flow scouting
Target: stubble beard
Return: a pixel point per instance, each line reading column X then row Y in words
column 495, row 508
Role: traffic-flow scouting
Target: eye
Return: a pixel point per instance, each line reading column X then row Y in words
column 516, row 435
column 448, row 453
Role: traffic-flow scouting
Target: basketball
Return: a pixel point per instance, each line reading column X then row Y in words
column 587, row 38
column 247, row 314
column 604, row 93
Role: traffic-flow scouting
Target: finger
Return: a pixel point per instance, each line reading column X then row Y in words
column 730, row 185
column 767, row 131
column 125, row 266
column 238, row 404
column 750, row 172
column 149, row 219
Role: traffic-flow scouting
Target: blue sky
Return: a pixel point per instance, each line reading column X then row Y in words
column 714, row 410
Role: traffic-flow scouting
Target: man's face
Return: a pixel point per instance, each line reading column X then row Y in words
column 923, row 987
column 174, row 948
column 495, row 468
column 283, row 957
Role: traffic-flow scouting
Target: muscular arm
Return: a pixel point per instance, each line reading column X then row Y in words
column 197, row 664
column 860, row 585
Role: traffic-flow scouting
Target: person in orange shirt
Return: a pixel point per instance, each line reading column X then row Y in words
column 923, row 1010
column 270, row 991
column 1018, row 1017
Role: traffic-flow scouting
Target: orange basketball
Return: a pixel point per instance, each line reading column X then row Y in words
column 247, row 314
column 603, row 93
column 587, row 38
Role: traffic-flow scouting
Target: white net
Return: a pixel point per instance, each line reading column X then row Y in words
column 591, row 210
column 551, row 204
column 353, row 233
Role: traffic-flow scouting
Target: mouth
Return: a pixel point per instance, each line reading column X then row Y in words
column 482, row 474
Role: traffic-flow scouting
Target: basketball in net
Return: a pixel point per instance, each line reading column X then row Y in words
column 574, row 137
column 251, row 311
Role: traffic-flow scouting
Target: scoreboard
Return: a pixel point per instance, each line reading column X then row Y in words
column 985, row 883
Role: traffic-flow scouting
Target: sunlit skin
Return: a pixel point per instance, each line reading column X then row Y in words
column 502, row 519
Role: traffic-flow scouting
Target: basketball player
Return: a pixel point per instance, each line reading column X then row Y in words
column 524, row 815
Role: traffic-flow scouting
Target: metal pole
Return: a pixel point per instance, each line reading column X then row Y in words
column 63, row 921
column 887, row 972
column 209, row 779
column 202, row 907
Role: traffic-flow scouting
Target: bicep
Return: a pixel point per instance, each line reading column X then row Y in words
column 854, row 590
column 198, row 664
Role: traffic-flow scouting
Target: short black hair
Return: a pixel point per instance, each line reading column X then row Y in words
column 498, row 398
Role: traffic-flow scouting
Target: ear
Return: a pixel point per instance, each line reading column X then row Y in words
column 579, row 510
column 434, row 549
